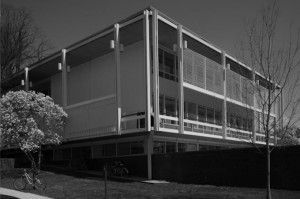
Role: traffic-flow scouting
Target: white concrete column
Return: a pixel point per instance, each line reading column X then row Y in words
column 64, row 78
column 118, row 76
column 180, row 78
column 224, row 107
column 254, row 111
column 155, row 69
column 147, row 70
column 26, row 81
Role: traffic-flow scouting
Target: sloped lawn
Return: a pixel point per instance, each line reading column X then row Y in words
column 65, row 186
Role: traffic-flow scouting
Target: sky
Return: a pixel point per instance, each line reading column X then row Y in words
column 222, row 22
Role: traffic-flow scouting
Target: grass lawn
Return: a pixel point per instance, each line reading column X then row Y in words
column 65, row 186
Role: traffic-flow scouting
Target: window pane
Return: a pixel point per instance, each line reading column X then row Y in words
column 66, row 154
column 109, row 149
column 181, row 147
column 170, row 147
column 158, row 147
column 192, row 111
column 161, row 105
column 97, row 151
column 218, row 117
column 137, row 148
column 191, row 147
column 210, row 116
column 170, row 106
column 201, row 113
column 123, row 148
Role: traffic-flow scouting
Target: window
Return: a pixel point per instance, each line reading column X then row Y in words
column 158, row 147
column 210, row 115
column 170, row 106
column 109, row 149
column 170, row 147
column 218, row 117
column 97, row 151
column 137, row 147
column 167, row 65
column 161, row 105
column 249, row 124
column 181, row 147
column 201, row 114
column 169, row 60
column 192, row 111
column 81, row 152
column 66, row 154
column 123, row 148
column 238, row 122
column 191, row 147
column 203, row 147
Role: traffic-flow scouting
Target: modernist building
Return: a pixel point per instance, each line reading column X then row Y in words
column 147, row 85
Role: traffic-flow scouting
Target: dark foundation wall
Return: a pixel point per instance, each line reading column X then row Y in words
column 136, row 165
column 234, row 167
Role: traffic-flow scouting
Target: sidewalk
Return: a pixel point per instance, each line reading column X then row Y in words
column 19, row 194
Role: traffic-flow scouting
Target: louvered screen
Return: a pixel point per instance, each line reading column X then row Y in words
column 236, row 86
column 229, row 86
column 188, row 66
column 199, row 67
column 209, row 75
column 247, row 91
column 219, row 79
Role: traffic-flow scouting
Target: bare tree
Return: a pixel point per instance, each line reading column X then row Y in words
column 22, row 43
column 276, row 59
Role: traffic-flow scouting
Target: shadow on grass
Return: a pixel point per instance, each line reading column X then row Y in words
column 97, row 175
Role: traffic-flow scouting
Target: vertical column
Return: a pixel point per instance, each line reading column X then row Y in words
column 281, row 112
column 118, row 85
column 180, row 78
column 149, row 148
column 224, row 107
column 64, row 78
column 155, row 69
column 254, row 108
column 26, row 79
column 279, row 122
column 147, row 69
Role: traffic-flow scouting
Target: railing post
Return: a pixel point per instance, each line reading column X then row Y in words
column 224, row 107
column 64, row 78
column 180, row 78
column 147, row 70
column 118, row 82
column 155, row 69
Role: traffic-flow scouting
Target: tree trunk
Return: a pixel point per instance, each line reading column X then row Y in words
column 268, row 169
column 40, row 158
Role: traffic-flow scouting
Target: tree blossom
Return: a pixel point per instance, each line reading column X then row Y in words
column 29, row 120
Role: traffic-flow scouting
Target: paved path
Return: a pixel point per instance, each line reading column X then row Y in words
column 20, row 194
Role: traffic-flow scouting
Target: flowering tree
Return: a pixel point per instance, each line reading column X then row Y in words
column 30, row 120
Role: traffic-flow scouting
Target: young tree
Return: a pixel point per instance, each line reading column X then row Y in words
column 30, row 120
column 22, row 43
column 278, row 60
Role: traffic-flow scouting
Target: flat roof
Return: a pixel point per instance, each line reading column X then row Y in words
column 56, row 55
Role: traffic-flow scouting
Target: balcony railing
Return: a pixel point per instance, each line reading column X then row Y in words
column 239, row 134
column 133, row 123
column 191, row 126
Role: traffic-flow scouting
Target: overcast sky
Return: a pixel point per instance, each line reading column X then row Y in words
column 219, row 21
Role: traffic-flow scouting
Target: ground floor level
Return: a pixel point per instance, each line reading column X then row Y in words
column 131, row 148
